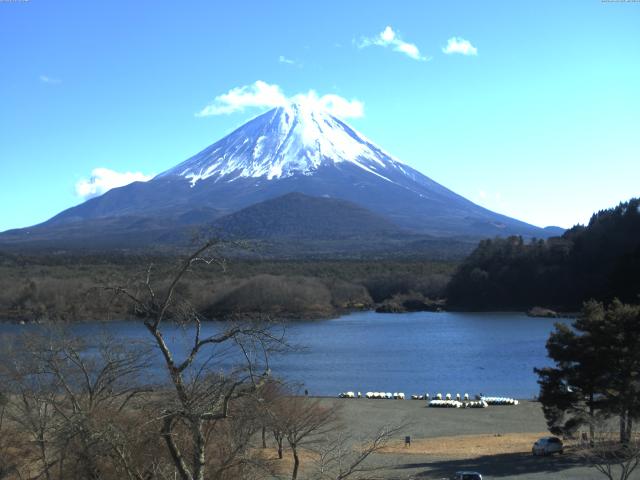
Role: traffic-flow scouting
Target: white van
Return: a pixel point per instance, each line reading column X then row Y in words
column 547, row 446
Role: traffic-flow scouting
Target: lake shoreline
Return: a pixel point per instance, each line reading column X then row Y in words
column 490, row 353
column 287, row 317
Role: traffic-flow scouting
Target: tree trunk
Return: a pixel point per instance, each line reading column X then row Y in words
column 278, row 438
column 592, row 432
column 198, row 450
column 89, row 466
column 264, row 437
column 176, row 455
column 296, row 463
column 43, row 455
column 623, row 427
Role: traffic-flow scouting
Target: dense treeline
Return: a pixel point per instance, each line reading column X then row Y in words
column 71, row 288
column 600, row 261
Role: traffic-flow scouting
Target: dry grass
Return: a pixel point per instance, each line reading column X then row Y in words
column 467, row 446
column 284, row 465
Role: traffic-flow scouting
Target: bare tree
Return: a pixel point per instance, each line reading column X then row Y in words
column 268, row 410
column 204, row 392
column 315, row 426
column 71, row 399
column 8, row 464
column 31, row 409
column 302, row 422
column 232, row 446
column 605, row 452
column 339, row 457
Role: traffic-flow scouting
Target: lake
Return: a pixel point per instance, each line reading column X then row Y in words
column 490, row 353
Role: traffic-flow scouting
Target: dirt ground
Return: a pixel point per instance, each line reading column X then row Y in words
column 495, row 441
column 466, row 446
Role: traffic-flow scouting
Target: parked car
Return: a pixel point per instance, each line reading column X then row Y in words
column 547, row 446
column 466, row 476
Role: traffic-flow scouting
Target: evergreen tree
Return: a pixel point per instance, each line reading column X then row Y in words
column 619, row 327
column 597, row 370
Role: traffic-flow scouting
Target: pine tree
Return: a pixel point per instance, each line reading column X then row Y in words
column 597, row 370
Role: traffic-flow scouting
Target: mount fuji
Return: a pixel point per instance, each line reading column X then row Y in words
column 295, row 148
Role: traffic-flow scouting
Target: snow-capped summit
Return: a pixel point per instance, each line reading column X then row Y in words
column 298, row 138
column 295, row 148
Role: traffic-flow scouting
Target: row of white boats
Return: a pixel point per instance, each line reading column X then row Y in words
column 438, row 401
column 376, row 395
column 482, row 402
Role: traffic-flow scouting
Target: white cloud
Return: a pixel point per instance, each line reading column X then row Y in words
column 389, row 38
column 459, row 45
column 264, row 95
column 288, row 61
column 50, row 80
column 259, row 94
column 331, row 103
column 103, row 179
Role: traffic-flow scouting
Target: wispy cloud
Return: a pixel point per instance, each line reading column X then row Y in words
column 288, row 61
column 262, row 95
column 459, row 45
column 104, row 179
column 50, row 80
column 389, row 38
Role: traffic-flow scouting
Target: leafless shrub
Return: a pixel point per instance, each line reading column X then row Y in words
column 73, row 402
column 339, row 456
column 301, row 422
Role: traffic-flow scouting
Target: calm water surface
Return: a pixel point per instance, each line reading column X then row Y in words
column 492, row 353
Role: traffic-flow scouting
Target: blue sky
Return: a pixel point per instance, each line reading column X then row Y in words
column 533, row 112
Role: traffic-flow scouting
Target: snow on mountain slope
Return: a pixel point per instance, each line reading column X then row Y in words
column 291, row 149
column 289, row 140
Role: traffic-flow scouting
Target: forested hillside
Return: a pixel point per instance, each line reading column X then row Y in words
column 600, row 261
column 75, row 288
